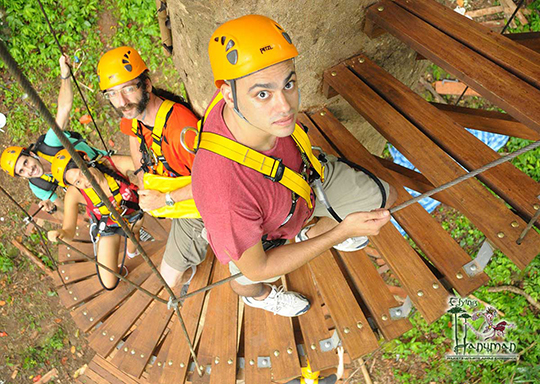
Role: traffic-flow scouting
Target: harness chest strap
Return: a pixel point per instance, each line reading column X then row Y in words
column 114, row 187
column 157, row 135
column 268, row 166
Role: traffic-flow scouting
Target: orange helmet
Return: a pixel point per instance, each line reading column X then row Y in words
column 59, row 164
column 119, row 66
column 9, row 159
column 246, row 45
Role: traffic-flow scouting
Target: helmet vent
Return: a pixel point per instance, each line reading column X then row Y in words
column 278, row 27
column 230, row 44
column 216, row 39
column 286, row 37
column 223, row 38
column 232, row 56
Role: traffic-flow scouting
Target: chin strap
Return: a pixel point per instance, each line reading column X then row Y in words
column 235, row 99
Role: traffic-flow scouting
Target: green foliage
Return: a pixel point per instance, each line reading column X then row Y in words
column 37, row 356
column 6, row 263
column 76, row 25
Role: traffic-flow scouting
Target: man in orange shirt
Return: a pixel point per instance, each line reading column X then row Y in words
column 154, row 125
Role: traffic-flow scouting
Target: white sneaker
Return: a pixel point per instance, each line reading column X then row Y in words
column 350, row 245
column 281, row 302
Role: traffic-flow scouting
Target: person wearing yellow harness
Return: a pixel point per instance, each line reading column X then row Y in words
column 34, row 162
column 154, row 125
column 110, row 173
column 254, row 164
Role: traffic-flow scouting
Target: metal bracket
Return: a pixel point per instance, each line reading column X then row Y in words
column 402, row 311
column 483, row 257
column 329, row 344
column 264, row 362
column 241, row 362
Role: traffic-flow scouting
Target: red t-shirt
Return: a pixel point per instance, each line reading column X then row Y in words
column 239, row 205
column 180, row 160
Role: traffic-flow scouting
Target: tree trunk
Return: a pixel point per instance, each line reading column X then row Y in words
column 325, row 33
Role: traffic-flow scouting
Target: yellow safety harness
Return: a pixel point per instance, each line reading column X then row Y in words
column 160, row 166
column 114, row 187
column 270, row 167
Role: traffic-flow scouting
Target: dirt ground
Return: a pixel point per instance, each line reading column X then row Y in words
column 36, row 333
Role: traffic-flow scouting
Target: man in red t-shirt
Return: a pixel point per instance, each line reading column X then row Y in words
column 242, row 209
column 124, row 80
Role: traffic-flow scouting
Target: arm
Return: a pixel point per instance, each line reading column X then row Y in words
column 123, row 163
column 71, row 207
column 257, row 265
column 65, row 96
column 136, row 157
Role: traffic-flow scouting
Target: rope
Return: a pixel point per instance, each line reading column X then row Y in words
column 73, row 76
column 30, row 219
column 528, row 228
column 467, row 176
column 502, row 32
column 81, row 164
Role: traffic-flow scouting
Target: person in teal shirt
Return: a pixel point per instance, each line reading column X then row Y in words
column 34, row 162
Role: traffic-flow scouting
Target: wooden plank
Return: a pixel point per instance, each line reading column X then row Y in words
column 514, row 186
column 351, row 324
column 79, row 292
column 375, row 293
column 255, row 346
column 36, row 260
column 74, row 272
column 485, row 11
column 95, row 377
column 489, row 79
column 67, row 255
column 487, row 212
column 82, row 290
column 105, row 339
column 312, row 323
column 489, row 121
column 456, row 88
column 282, row 346
column 158, row 228
column 173, row 358
column 510, row 8
column 108, row 367
column 88, row 315
column 510, row 55
column 530, row 40
column 218, row 343
column 413, row 274
column 138, row 348
column 106, row 375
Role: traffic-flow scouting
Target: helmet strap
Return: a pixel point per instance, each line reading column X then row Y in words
column 235, row 100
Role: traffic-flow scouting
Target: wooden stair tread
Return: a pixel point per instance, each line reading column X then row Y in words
column 487, row 212
column 487, row 78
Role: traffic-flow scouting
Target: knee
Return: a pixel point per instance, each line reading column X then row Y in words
column 169, row 274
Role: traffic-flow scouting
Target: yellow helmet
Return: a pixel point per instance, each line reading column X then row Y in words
column 246, row 45
column 59, row 164
column 9, row 159
column 308, row 374
column 119, row 66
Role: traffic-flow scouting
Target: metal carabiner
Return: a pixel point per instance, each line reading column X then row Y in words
column 182, row 138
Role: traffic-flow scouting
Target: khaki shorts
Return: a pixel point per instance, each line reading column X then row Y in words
column 186, row 246
column 244, row 280
column 348, row 190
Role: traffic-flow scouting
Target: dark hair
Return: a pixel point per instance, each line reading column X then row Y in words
column 143, row 77
column 100, row 167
